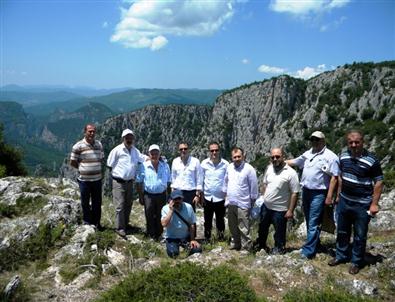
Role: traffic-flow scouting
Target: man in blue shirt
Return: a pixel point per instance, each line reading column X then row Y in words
column 361, row 184
column 319, row 164
column 213, row 170
column 153, row 182
column 179, row 221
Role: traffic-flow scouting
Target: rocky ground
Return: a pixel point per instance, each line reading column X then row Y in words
column 47, row 252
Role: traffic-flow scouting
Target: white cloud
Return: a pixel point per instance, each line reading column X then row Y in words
column 309, row 72
column 105, row 24
column 271, row 69
column 245, row 61
column 333, row 25
column 147, row 24
column 306, row 7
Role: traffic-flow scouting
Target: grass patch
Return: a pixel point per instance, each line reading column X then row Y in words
column 24, row 205
column 183, row 282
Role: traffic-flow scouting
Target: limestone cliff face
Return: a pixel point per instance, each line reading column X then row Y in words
column 282, row 111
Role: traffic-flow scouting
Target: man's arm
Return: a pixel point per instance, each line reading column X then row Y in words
column 263, row 189
column 192, row 230
column 292, row 205
column 331, row 190
column 377, row 189
column 166, row 220
column 74, row 164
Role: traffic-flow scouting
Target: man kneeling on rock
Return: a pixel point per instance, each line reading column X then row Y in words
column 280, row 192
column 179, row 221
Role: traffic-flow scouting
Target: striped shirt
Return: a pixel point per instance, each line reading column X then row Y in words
column 154, row 182
column 358, row 175
column 89, row 158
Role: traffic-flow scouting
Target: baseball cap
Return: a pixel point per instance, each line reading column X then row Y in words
column 318, row 134
column 126, row 132
column 176, row 194
column 153, row 147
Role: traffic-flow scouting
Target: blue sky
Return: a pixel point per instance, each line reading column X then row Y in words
column 187, row 44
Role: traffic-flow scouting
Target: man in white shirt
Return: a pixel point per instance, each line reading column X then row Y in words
column 186, row 175
column 241, row 188
column 123, row 161
column 280, row 193
column 213, row 170
column 320, row 169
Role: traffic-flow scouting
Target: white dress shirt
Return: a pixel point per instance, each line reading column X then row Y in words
column 124, row 162
column 240, row 185
column 186, row 177
column 213, row 179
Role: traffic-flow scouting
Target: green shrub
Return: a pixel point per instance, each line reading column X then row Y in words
column 389, row 179
column 367, row 113
column 323, row 295
column 183, row 282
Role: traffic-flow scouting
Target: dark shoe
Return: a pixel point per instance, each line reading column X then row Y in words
column 99, row 228
column 121, row 233
column 334, row 262
column 235, row 247
column 354, row 269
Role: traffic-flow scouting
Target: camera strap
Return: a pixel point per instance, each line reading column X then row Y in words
column 182, row 218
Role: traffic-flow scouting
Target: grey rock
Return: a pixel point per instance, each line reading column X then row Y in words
column 11, row 287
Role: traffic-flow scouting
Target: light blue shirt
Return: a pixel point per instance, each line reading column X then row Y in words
column 213, row 179
column 186, row 177
column 154, row 182
column 124, row 162
column 240, row 185
column 177, row 229
column 318, row 168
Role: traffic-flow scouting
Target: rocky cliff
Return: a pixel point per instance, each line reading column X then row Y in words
column 282, row 111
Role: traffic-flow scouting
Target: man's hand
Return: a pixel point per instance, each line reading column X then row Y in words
column 289, row 215
column 328, row 200
column 194, row 244
column 141, row 199
column 171, row 204
column 196, row 200
column 374, row 209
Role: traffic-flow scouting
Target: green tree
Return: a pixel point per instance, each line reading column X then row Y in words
column 10, row 159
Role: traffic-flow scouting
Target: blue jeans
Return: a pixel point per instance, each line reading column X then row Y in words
column 91, row 198
column 277, row 218
column 173, row 247
column 313, row 208
column 352, row 214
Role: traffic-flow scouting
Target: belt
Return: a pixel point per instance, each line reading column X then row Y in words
column 148, row 193
column 120, row 180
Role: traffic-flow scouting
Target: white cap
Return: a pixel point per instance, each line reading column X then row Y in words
column 153, row 147
column 126, row 132
column 318, row 134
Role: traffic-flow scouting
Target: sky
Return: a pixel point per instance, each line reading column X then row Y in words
column 202, row 44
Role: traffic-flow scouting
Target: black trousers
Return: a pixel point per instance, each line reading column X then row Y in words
column 211, row 208
column 153, row 204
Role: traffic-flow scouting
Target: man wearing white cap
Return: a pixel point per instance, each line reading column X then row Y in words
column 319, row 164
column 123, row 161
column 153, row 182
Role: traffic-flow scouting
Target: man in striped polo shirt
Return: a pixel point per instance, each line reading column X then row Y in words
column 361, row 183
column 87, row 156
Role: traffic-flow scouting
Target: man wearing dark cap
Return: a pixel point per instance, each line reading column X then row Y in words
column 123, row 162
column 320, row 167
column 179, row 221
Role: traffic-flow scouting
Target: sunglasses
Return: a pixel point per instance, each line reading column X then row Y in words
column 183, row 149
column 275, row 157
column 214, row 150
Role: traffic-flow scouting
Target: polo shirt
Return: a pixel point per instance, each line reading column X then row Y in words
column 240, row 185
column 186, row 177
column 155, row 182
column 177, row 229
column 124, row 162
column 279, row 187
column 213, row 179
column 358, row 175
column 318, row 168
column 89, row 158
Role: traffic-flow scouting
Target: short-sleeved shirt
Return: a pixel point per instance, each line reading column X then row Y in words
column 186, row 177
column 213, row 179
column 89, row 158
column 124, row 162
column 279, row 187
column 177, row 229
column 155, row 182
column 318, row 168
column 358, row 175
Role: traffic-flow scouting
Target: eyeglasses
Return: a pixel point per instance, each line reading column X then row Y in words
column 275, row 157
column 183, row 149
column 214, row 150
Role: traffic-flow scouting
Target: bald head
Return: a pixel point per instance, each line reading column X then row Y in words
column 277, row 158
